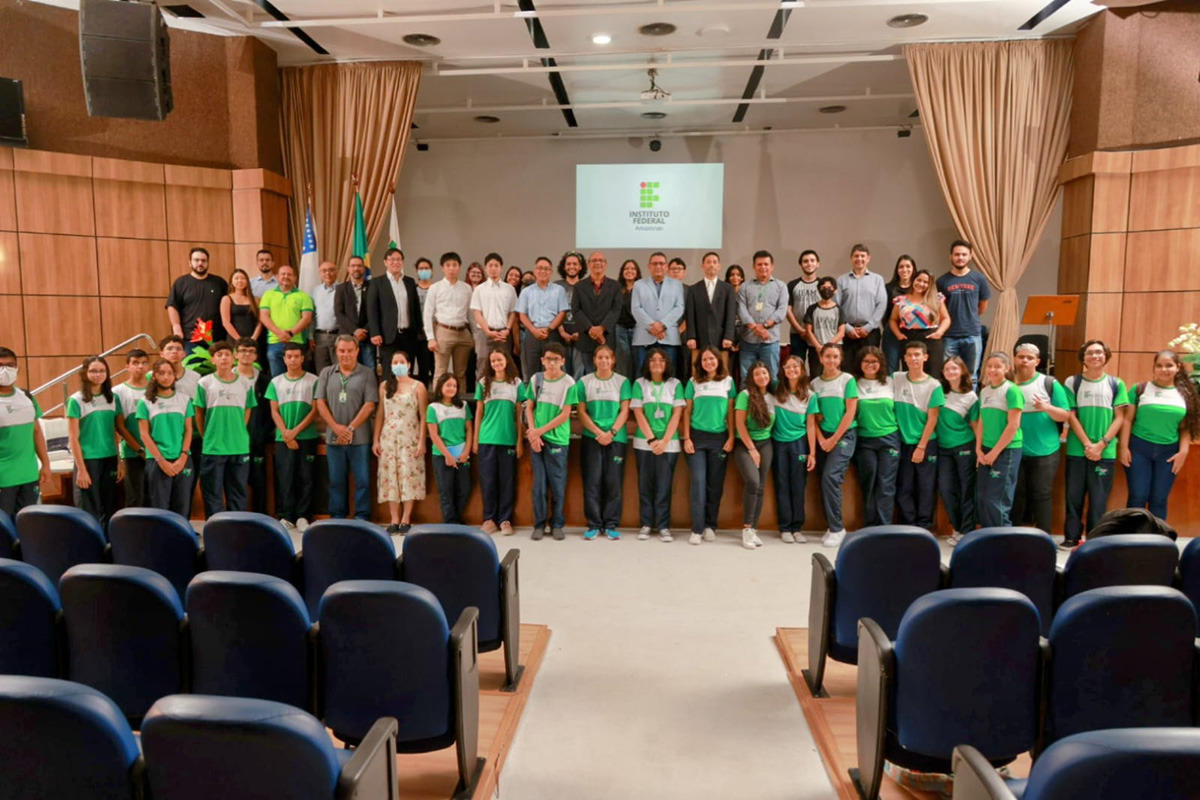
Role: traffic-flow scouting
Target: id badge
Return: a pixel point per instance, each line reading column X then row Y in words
column 660, row 414
column 342, row 396
column 758, row 306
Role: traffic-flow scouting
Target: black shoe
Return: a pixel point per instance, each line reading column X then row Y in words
column 405, row 527
column 538, row 533
column 393, row 529
column 1069, row 544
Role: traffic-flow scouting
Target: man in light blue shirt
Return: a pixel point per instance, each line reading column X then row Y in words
column 542, row 307
column 657, row 307
column 762, row 307
column 863, row 297
column 265, row 280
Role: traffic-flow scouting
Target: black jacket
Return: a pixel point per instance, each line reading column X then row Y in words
column 589, row 308
column 350, row 319
column 382, row 314
column 709, row 323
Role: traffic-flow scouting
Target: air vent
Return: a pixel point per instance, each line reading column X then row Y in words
column 907, row 20
column 654, row 115
column 831, row 109
column 657, row 29
column 487, row 119
column 422, row 39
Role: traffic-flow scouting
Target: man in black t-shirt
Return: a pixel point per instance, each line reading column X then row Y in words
column 196, row 298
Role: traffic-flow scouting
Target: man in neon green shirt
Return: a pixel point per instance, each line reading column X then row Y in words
column 22, row 445
column 286, row 313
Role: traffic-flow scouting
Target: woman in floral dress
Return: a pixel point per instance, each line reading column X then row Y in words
column 400, row 443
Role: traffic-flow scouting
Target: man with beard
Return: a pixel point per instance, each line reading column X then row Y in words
column 196, row 298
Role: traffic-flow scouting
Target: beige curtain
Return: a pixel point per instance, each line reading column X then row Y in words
column 340, row 121
column 996, row 120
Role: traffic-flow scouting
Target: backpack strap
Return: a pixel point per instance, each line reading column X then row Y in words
column 1048, row 385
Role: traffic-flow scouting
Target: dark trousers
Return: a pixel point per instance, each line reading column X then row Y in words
column 933, row 365
column 852, row 348
column 408, row 342
column 171, row 493
column 603, row 478
column 791, row 479
column 956, row 485
column 877, row 459
column 655, row 476
column 995, row 487
column 223, row 483
column 1034, row 502
column 549, row 476
column 256, row 478
column 135, row 482
column 798, row 346
column 916, row 486
column 754, row 479
column 531, row 352
column 14, row 498
column 99, row 499
column 294, row 479
column 344, row 460
column 706, row 468
column 322, row 350
column 197, row 454
column 424, row 361
column 1090, row 480
column 1149, row 475
column 454, row 488
column 498, row 481
column 833, row 474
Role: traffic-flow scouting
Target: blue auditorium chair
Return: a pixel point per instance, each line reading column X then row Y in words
column 201, row 747
column 386, row 649
column 8, row 537
column 344, row 550
column 963, row 669
column 1116, row 764
column 1189, row 573
column 158, row 540
column 251, row 637
column 462, row 568
column 56, row 538
column 60, row 739
column 245, row 541
column 1126, row 559
column 1121, row 657
column 30, row 622
column 126, row 634
column 1023, row 559
column 879, row 572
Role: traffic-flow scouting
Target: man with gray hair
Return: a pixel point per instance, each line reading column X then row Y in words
column 1045, row 410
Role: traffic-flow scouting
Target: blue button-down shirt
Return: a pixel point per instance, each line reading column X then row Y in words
column 260, row 285
column 542, row 305
column 863, row 300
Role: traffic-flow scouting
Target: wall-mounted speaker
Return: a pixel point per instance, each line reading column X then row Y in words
column 12, row 113
column 126, row 57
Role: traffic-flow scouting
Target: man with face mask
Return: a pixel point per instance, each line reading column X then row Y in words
column 196, row 298
column 393, row 310
column 22, row 445
column 350, row 308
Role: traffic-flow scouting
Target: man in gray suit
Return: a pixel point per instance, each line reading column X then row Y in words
column 657, row 307
column 710, row 309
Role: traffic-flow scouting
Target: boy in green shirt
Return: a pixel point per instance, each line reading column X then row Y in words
column 22, row 445
column 291, row 397
column 548, row 398
column 261, row 427
column 919, row 401
column 222, row 408
column 133, row 452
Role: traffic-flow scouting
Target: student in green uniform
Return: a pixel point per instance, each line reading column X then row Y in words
column 998, row 441
column 22, row 444
column 1041, row 425
column 92, row 420
column 186, row 381
column 260, row 425
column 1097, row 401
column 1164, row 421
column 133, row 452
column 603, row 397
column 754, row 419
column 919, row 401
column 877, row 451
column 449, row 421
column 657, row 404
column 956, row 447
column 165, row 422
column 794, row 439
column 498, row 439
column 548, row 398
column 708, row 435
column 837, row 393
column 222, row 409
column 290, row 399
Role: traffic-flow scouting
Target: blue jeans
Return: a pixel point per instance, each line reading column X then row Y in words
column 349, row 458
column 1149, row 475
column 275, row 358
column 642, row 350
column 956, row 485
column 549, row 473
column 891, row 351
column 877, row 459
column 766, row 352
column 1091, row 480
column 366, row 354
column 791, row 478
column 624, row 348
column 995, row 488
column 833, row 473
column 968, row 348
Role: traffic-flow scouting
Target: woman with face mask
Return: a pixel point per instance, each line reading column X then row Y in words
column 400, row 443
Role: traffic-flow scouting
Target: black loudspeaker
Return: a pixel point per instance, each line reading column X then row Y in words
column 126, row 57
column 12, row 113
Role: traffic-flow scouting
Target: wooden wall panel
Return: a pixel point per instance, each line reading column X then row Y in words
column 275, row 219
column 12, row 323
column 1110, row 203
column 1151, row 319
column 199, row 214
column 1163, row 260
column 53, row 264
column 247, row 215
column 1106, row 262
column 133, row 268
column 43, row 369
column 1077, row 207
column 220, row 258
column 8, row 196
column 1165, row 199
column 76, row 327
column 131, row 209
column 10, row 263
column 1073, row 255
column 55, row 204
column 123, row 317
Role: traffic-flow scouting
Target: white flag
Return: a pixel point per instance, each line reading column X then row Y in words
column 310, row 274
column 394, row 227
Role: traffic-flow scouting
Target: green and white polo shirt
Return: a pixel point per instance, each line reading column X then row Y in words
column 1160, row 412
column 19, row 412
column 913, row 401
column 498, row 420
column 710, row 404
column 225, row 404
column 603, row 398
column 549, row 398
column 451, row 422
column 791, row 416
column 1042, row 434
column 954, row 422
column 1095, row 403
column 295, row 400
column 833, row 395
column 876, row 408
column 97, row 424
column 994, row 404
column 657, row 402
column 126, row 398
column 167, row 417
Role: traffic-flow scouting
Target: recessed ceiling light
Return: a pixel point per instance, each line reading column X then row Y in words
column 601, row 38
column 487, row 119
column 831, row 109
column 421, row 39
column 715, row 29
column 907, row 20
column 657, row 29
column 654, row 114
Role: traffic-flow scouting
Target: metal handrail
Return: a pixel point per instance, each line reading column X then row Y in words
column 64, row 379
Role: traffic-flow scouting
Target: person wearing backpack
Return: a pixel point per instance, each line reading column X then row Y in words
column 1097, row 401
column 1042, row 417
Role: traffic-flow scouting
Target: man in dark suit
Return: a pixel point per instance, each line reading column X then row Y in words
column 595, row 307
column 393, row 311
column 350, row 309
column 710, row 309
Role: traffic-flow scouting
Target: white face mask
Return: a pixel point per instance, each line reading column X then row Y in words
column 8, row 376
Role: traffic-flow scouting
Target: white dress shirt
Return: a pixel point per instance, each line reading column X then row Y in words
column 322, row 296
column 447, row 304
column 710, row 286
column 495, row 300
column 400, row 292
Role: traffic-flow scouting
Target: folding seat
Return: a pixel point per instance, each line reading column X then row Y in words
column 56, row 538
column 1022, row 559
column 1188, row 578
column 1131, row 520
column 126, row 634
column 462, row 568
column 963, row 669
column 1121, row 657
column 251, row 637
column 64, row 740
column 8, row 537
column 880, row 571
column 245, row 541
column 344, row 550
column 1163, row 763
column 158, row 540
column 1126, row 559
column 386, row 649
column 201, row 747
column 30, row 622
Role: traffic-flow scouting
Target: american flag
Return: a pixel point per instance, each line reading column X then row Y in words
column 310, row 275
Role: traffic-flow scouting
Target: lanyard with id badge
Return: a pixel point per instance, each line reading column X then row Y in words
column 657, row 395
column 342, row 397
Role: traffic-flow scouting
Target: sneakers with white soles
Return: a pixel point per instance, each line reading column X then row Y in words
column 695, row 538
column 787, row 537
column 644, row 532
column 833, row 538
column 665, row 535
column 709, row 535
column 748, row 539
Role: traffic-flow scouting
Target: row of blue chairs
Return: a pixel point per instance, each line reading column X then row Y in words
column 63, row 739
column 881, row 571
column 459, row 564
column 970, row 667
column 379, row 648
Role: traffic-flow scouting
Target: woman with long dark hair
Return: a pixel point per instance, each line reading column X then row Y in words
column 998, row 441
column 794, row 439
column 498, row 439
column 708, row 433
column 837, row 395
column 239, row 308
column 630, row 274
column 657, row 405
column 900, row 284
column 399, row 442
column 92, row 417
column 877, row 452
column 449, row 422
column 754, row 416
column 920, row 314
column 165, row 421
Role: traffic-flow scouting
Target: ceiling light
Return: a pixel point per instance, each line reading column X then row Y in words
column 601, row 38
column 654, row 114
column 831, row 109
column 487, row 119
column 715, row 29
column 422, row 39
column 525, row 14
column 907, row 20
column 791, row 4
column 657, row 29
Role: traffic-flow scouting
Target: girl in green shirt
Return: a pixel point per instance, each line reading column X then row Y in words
column 449, row 422
column 498, row 440
column 956, row 447
column 603, row 400
column 657, row 405
column 998, row 441
column 877, row 452
column 707, row 440
column 92, row 417
column 165, row 421
column 754, row 417
column 836, row 436
column 794, row 439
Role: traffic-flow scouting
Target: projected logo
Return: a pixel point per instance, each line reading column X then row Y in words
column 649, row 194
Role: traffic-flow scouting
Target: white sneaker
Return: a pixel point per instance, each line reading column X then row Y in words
column 665, row 535
column 644, row 532
column 302, row 524
column 787, row 537
column 287, row 524
column 694, row 539
column 954, row 538
column 833, row 538
column 801, row 538
column 709, row 535
column 748, row 539
column 754, row 537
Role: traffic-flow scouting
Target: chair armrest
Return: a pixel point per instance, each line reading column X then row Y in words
column 822, row 594
column 370, row 774
column 975, row 778
column 137, row 778
column 510, row 617
column 1060, row 586
column 108, row 556
column 185, row 655
column 1043, row 693
column 298, row 572
column 1196, row 682
column 944, row 581
column 312, row 650
column 464, row 655
column 398, row 567
column 201, row 560
column 876, row 671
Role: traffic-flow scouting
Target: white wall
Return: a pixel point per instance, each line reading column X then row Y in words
column 783, row 193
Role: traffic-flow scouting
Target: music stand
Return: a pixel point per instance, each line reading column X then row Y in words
column 1053, row 310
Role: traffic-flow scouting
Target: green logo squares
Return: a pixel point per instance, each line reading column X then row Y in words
column 649, row 194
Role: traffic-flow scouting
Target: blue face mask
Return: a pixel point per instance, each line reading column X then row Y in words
column 400, row 370
column 424, row 274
